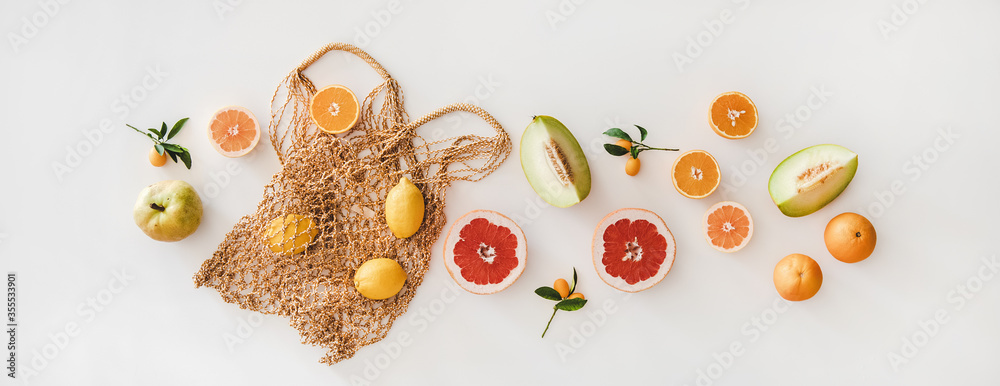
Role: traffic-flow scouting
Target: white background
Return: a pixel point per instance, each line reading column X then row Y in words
column 592, row 65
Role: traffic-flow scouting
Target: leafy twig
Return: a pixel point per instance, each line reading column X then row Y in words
column 160, row 138
column 636, row 146
column 568, row 304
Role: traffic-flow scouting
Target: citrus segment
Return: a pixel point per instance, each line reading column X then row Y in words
column 633, row 249
column 335, row 109
column 233, row 131
column 733, row 115
column 728, row 226
column 695, row 174
column 485, row 252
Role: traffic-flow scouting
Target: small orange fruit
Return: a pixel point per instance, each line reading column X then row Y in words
column 632, row 166
column 624, row 143
column 156, row 159
column 850, row 237
column 576, row 295
column 733, row 115
column 335, row 109
column 562, row 287
column 233, row 131
column 695, row 174
column 797, row 277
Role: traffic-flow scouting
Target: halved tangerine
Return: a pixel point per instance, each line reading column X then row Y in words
column 335, row 109
column 728, row 226
column 695, row 174
column 733, row 115
column 233, row 131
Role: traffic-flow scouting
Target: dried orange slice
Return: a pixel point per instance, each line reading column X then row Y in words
column 695, row 174
column 233, row 131
column 335, row 109
column 728, row 226
column 733, row 115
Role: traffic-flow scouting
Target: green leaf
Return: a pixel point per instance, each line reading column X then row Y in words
column 618, row 133
column 163, row 130
column 173, row 148
column 572, row 289
column 642, row 133
column 635, row 151
column 186, row 158
column 177, row 128
column 615, row 150
column 156, row 133
column 159, row 148
column 571, row 304
column 172, row 155
column 548, row 293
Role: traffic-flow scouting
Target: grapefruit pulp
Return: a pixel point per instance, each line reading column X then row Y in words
column 633, row 249
column 485, row 252
column 728, row 226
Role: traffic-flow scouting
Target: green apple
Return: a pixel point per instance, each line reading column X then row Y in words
column 811, row 178
column 554, row 163
column 168, row 210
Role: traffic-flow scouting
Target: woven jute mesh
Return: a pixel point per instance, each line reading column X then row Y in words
column 340, row 182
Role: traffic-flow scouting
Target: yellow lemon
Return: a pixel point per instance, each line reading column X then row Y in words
column 290, row 234
column 404, row 208
column 379, row 279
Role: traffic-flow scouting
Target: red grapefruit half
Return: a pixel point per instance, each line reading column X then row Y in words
column 485, row 252
column 728, row 226
column 633, row 249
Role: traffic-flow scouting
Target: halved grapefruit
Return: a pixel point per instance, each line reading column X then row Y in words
column 233, row 131
column 633, row 249
column 728, row 226
column 485, row 252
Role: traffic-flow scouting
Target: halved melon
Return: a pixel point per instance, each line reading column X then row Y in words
column 811, row 178
column 554, row 163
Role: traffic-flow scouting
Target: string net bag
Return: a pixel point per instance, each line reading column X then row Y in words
column 340, row 182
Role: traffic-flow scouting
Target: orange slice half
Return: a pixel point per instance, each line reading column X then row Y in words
column 335, row 109
column 695, row 174
column 733, row 115
column 728, row 226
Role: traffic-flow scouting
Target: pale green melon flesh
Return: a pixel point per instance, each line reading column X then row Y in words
column 554, row 163
column 811, row 178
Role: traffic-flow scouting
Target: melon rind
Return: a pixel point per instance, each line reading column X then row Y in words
column 454, row 236
column 598, row 248
column 781, row 186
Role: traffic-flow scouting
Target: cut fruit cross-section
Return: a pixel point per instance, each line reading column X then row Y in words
column 633, row 249
column 233, row 131
column 485, row 252
column 733, row 115
column 695, row 174
column 335, row 109
column 728, row 226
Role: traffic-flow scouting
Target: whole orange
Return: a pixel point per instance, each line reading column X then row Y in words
column 157, row 159
column 850, row 237
column 797, row 277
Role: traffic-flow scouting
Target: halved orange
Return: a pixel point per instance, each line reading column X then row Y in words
column 233, row 131
column 335, row 109
column 728, row 226
column 695, row 174
column 733, row 115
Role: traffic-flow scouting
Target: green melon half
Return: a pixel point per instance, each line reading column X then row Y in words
column 811, row 178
